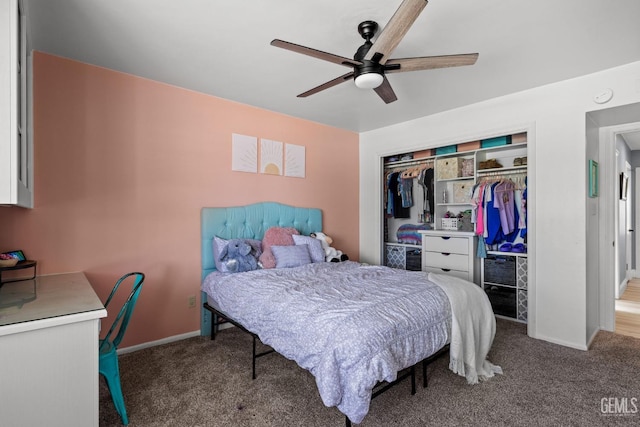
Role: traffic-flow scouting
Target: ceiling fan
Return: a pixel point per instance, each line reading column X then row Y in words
column 371, row 62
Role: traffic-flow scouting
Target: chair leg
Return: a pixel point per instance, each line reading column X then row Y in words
column 113, row 382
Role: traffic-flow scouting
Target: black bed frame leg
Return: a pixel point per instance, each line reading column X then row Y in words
column 424, row 374
column 347, row 421
column 214, row 326
column 253, row 363
column 413, row 380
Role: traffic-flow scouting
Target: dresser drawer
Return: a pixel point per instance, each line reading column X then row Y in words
column 452, row 245
column 446, row 260
column 457, row 273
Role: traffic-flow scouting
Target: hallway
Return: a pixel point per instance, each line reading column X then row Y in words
column 628, row 310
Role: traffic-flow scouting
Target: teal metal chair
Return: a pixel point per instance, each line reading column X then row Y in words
column 108, row 366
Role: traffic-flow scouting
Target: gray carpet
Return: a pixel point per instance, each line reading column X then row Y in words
column 199, row 382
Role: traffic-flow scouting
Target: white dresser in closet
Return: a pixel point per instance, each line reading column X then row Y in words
column 450, row 252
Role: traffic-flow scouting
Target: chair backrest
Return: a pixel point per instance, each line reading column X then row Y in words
column 122, row 319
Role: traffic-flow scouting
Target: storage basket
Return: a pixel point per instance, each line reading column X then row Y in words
column 468, row 167
column 449, row 168
column 414, row 259
column 495, row 142
column 446, row 150
column 423, row 153
column 469, row 146
column 450, row 223
column 462, row 192
column 500, row 269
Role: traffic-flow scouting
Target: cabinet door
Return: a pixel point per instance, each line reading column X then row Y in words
column 16, row 161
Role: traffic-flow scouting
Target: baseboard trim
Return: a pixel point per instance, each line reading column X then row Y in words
column 562, row 343
column 623, row 287
column 159, row 342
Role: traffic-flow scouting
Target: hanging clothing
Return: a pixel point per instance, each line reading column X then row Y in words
column 394, row 205
column 405, row 188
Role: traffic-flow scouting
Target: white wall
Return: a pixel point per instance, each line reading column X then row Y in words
column 593, row 235
column 554, row 116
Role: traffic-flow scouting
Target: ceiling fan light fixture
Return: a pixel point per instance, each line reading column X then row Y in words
column 369, row 80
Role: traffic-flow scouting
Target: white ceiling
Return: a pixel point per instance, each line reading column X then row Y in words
column 632, row 139
column 222, row 48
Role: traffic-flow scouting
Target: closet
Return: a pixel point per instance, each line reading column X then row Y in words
column 461, row 210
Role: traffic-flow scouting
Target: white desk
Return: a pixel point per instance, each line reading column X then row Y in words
column 49, row 330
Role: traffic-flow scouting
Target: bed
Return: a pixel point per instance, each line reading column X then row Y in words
column 351, row 325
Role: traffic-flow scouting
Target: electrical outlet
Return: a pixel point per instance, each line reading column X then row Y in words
column 192, row 301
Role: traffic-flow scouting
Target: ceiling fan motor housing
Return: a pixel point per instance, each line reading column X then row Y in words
column 367, row 30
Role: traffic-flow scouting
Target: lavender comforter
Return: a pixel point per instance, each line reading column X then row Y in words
column 349, row 324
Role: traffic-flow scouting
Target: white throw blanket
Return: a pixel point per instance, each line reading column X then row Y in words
column 473, row 328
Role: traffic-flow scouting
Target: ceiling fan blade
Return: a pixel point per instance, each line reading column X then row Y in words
column 327, row 85
column 385, row 92
column 336, row 59
column 430, row 62
column 395, row 30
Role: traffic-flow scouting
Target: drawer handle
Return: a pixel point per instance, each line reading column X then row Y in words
column 445, row 269
column 445, row 237
column 446, row 253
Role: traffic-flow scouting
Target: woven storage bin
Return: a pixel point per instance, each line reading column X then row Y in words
column 500, row 269
column 450, row 223
column 462, row 192
column 449, row 168
column 468, row 167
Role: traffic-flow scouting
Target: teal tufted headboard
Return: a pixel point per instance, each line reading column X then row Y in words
column 248, row 222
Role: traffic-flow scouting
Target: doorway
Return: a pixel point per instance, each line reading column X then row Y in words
column 618, row 240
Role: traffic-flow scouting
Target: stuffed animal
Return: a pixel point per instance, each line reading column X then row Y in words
column 237, row 256
column 331, row 254
column 275, row 236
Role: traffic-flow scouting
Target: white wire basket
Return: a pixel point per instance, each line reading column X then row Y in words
column 450, row 223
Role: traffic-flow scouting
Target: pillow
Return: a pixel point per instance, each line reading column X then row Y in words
column 315, row 247
column 219, row 244
column 291, row 256
column 275, row 236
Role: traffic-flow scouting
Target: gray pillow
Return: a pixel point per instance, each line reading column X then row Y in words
column 291, row 256
column 315, row 247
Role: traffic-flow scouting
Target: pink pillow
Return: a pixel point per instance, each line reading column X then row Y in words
column 275, row 236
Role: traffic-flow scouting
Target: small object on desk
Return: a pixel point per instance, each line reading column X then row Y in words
column 8, row 262
column 19, row 265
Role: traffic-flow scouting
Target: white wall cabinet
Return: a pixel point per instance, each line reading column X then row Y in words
column 16, row 145
column 49, row 352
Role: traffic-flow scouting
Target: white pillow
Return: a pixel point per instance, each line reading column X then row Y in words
column 315, row 247
column 291, row 256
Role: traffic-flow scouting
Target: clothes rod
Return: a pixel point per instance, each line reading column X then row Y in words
column 501, row 172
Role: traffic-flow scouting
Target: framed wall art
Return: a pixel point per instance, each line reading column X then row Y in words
column 593, row 178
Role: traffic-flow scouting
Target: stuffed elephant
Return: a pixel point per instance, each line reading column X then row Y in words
column 237, row 256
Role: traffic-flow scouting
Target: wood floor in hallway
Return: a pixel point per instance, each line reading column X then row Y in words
column 628, row 310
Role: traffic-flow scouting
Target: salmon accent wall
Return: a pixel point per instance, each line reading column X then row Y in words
column 123, row 166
